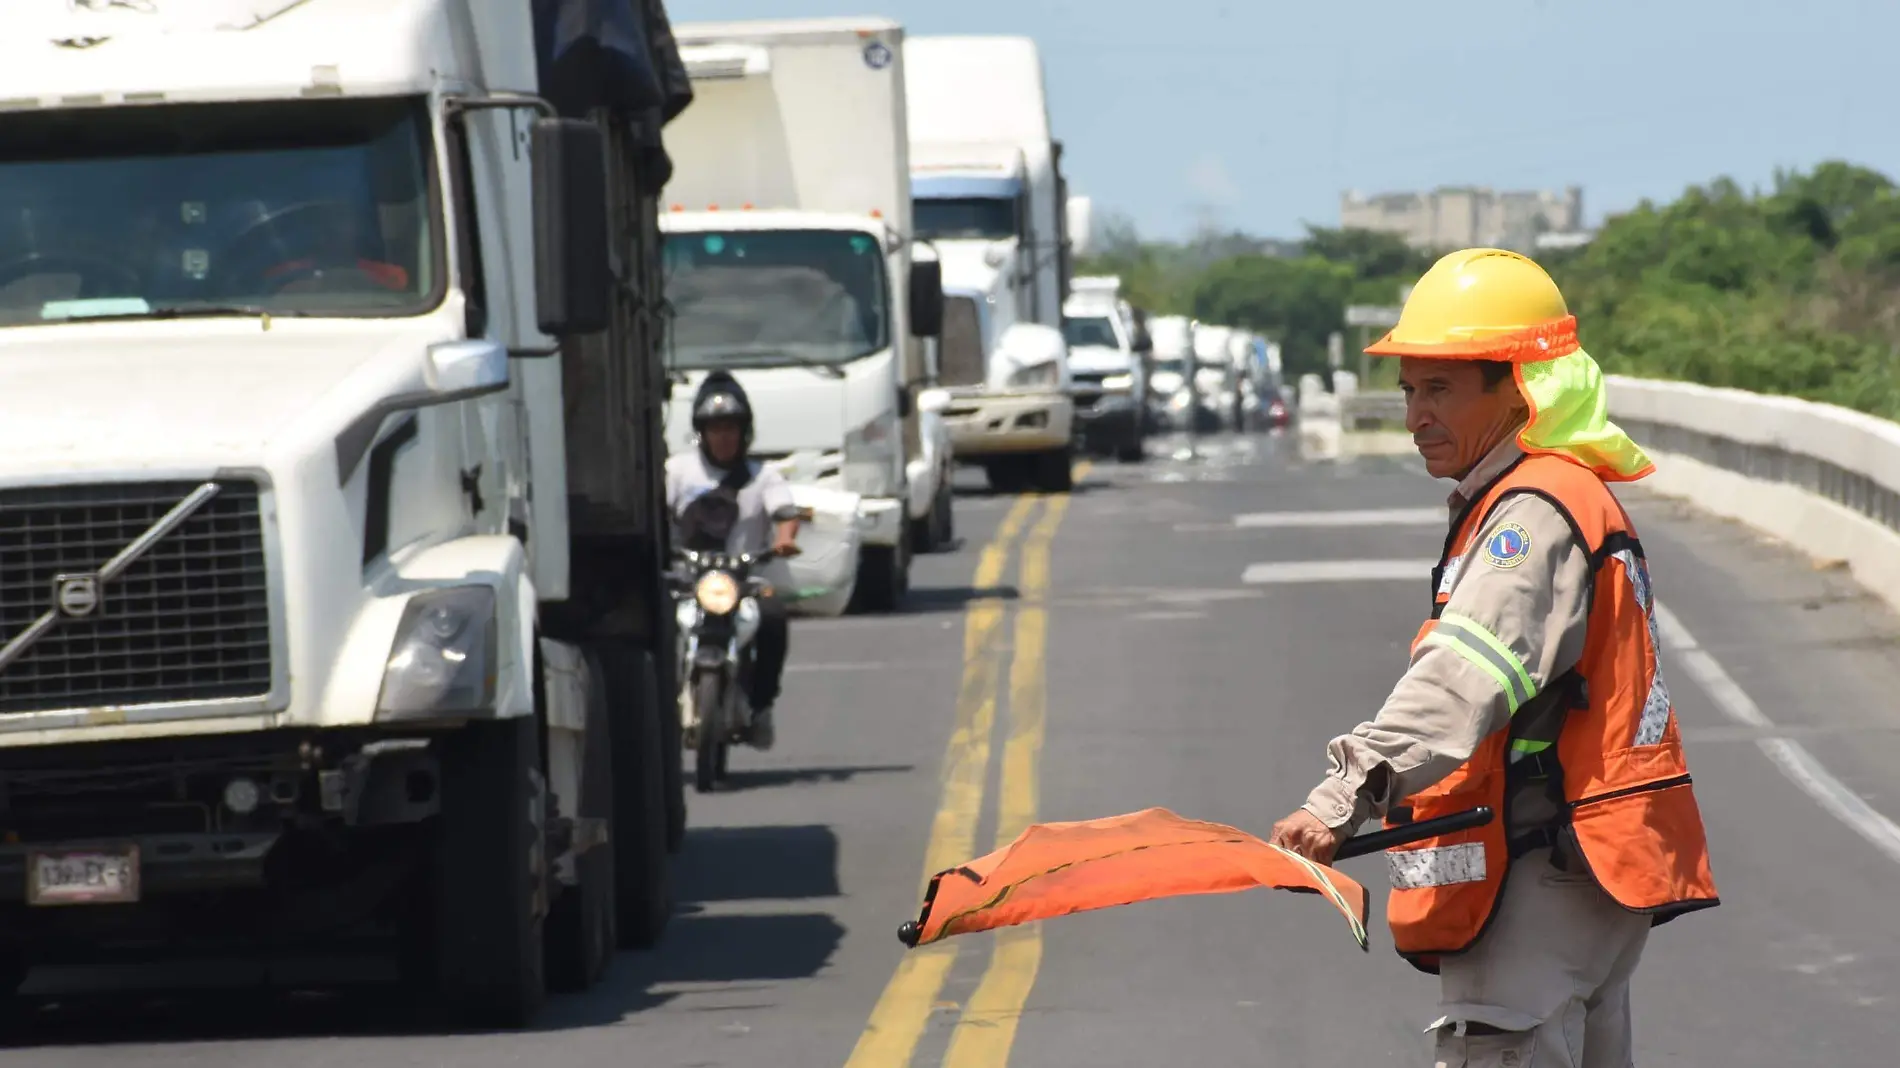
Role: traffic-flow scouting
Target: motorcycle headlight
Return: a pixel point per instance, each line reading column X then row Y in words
column 443, row 660
column 1039, row 375
column 717, row 592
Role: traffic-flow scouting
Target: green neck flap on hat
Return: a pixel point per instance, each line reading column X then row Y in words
column 1569, row 418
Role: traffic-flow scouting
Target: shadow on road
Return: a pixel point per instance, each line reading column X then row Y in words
column 355, row 998
column 923, row 600
column 757, row 863
column 761, row 778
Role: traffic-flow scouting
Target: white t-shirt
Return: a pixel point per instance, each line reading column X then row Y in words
column 768, row 495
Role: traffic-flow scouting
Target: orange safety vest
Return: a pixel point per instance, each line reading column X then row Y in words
column 1603, row 738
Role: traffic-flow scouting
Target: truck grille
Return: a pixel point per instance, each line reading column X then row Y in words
column 960, row 350
column 187, row 621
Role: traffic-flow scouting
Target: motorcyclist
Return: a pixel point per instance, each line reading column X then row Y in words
column 723, row 500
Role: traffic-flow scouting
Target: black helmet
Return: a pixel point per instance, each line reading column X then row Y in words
column 721, row 397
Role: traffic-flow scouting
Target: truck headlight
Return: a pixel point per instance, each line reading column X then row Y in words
column 717, row 592
column 870, row 455
column 1039, row 375
column 1119, row 382
column 443, row 660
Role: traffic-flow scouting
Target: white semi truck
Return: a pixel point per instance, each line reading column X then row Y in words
column 329, row 492
column 790, row 265
column 990, row 198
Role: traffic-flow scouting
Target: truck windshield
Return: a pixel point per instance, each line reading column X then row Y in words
column 287, row 207
column 989, row 218
column 762, row 298
column 1094, row 330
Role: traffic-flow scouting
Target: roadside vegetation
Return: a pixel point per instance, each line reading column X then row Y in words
column 1793, row 289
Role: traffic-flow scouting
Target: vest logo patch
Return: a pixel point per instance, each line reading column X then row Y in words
column 1509, row 547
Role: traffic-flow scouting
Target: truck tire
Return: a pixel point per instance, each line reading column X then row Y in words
column 648, row 690
column 937, row 529
column 1008, row 474
column 1055, row 471
column 945, row 515
column 489, row 877
column 642, row 866
column 883, row 577
column 582, row 930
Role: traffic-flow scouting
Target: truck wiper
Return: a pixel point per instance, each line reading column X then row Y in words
column 829, row 370
column 195, row 311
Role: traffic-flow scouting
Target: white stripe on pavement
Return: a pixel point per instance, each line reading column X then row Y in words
column 1339, row 571
column 1359, row 517
column 1788, row 756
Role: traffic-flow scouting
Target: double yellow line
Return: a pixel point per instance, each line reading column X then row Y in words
column 987, row 1027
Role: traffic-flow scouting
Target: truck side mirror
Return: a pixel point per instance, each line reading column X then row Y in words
column 926, row 299
column 573, row 273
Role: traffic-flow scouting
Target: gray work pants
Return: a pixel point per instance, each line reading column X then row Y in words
column 1552, row 973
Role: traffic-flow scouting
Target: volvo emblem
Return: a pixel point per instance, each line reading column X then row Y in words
column 77, row 596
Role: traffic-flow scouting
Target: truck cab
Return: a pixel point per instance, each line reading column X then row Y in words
column 1110, row 381
column 1174, row 369
column 989, row 197
column 320, row 627
column 790, row 263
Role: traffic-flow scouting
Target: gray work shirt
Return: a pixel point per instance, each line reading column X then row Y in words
column 1445, row 704
column 762, row 502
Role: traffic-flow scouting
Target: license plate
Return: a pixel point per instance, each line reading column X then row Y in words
column 83, row 877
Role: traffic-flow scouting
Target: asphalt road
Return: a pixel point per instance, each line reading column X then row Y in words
column 1104, row 652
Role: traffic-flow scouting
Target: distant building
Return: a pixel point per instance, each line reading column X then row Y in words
column 1465, row 216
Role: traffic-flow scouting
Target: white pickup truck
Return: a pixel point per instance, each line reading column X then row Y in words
column 1110, row 379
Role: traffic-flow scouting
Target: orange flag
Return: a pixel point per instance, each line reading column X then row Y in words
column 1054, row 869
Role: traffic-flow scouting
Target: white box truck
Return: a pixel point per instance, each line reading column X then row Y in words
column 790, row 265
column 328, row 486
column 991, row 200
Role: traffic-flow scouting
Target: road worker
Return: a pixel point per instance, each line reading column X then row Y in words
column 1533, row 688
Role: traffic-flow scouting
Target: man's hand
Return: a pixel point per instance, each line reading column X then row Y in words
column 785, row 538
column 1303, row 833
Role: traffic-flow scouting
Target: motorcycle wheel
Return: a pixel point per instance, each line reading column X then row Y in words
column 710, row 752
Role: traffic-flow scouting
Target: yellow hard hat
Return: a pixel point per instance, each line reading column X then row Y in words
column 1483, row 304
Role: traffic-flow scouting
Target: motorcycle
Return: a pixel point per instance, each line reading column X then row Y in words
column 717, row 611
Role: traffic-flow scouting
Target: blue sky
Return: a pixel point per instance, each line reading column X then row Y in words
column 1256, row 114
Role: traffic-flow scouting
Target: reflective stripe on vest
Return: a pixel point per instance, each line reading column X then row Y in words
column 1656, row 706
column 1605, row 732
column 1469, row 639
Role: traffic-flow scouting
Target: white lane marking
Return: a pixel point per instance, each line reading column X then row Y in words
column 1355, row 517
column 1339, row 571
column 1788, row 756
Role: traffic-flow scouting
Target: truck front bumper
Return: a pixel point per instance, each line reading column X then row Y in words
column 989, row 424
column 881, row 521
column 1109, row 419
